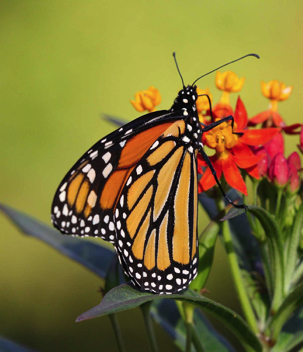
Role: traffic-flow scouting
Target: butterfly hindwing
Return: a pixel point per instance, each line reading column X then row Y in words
column 156, row 216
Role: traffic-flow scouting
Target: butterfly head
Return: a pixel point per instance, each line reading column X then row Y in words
column 186, row 101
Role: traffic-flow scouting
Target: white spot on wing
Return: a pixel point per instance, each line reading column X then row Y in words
column 96, row 219
column 106, row 157
column 107, row 170
column 91, row 200
column 139, row 169
column 154, row 145
column 86, row 168
column 62, row 196
column 63, row 187
column 91, row 175
column 65, row 210
column 94, row 154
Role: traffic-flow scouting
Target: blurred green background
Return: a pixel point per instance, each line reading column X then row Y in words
column 63, row 63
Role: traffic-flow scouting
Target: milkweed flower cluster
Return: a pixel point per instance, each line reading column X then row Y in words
column 251, row 146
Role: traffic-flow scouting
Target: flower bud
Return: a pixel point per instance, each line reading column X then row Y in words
column 278, row 170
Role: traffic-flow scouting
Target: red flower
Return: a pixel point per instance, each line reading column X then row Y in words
column 294, row 165
column 233, row 150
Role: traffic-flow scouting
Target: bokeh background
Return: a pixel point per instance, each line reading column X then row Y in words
column 63, row 63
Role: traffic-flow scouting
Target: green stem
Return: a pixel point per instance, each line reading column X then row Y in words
column 145, row 307
column 297, row 275
column 115, row 324
column 231, row 255
column 266, row 267
column 255, row 184
column 189, row 312
column 279, row 196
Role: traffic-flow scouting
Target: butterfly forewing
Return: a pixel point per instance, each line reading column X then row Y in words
column 85, row 200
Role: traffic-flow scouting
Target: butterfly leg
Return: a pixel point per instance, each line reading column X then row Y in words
column 214, row 173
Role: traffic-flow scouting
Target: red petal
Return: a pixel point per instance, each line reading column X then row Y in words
column 208, row 181
column 261, row 117
column 275, row 145
column 258, row 136
column 277, row 119
column 263, row 162
column 244, row 157
column 201, row 163
column 253, row 171
column 291, row 129
column 233, row 176
column 240, row 115
column 222, row 110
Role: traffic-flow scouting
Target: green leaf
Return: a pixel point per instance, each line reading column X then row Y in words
column 273, row 236
column 126, row 297
column 292, row 254
column 232, row 213
column 94, row 257
column 207, row 241
column 166, row 314
column 292, row 302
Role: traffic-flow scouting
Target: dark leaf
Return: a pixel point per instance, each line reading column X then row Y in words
column 291, row 334
column 94, row 257
column 9, row 346
column 115, row 120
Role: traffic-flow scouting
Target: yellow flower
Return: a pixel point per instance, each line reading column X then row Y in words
column 221, row 137
column 146, row 99
column 202, row 103
column 229, row 82
column 275, row 91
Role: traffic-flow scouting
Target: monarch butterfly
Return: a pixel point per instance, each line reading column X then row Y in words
column 137, row 188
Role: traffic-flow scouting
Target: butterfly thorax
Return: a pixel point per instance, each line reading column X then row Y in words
column 186, row 104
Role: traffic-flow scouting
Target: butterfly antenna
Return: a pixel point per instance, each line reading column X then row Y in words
column 174, row 55
column 255, row 55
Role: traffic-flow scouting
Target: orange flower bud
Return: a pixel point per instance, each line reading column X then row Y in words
column 229, row 82
column 147, row 99
column 275, row 90
column 202, row 103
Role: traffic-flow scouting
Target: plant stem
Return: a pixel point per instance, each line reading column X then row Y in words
column 279, row 196
column 115, row 324
column 189, row 312
column 145, row 307
column 231, row 255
